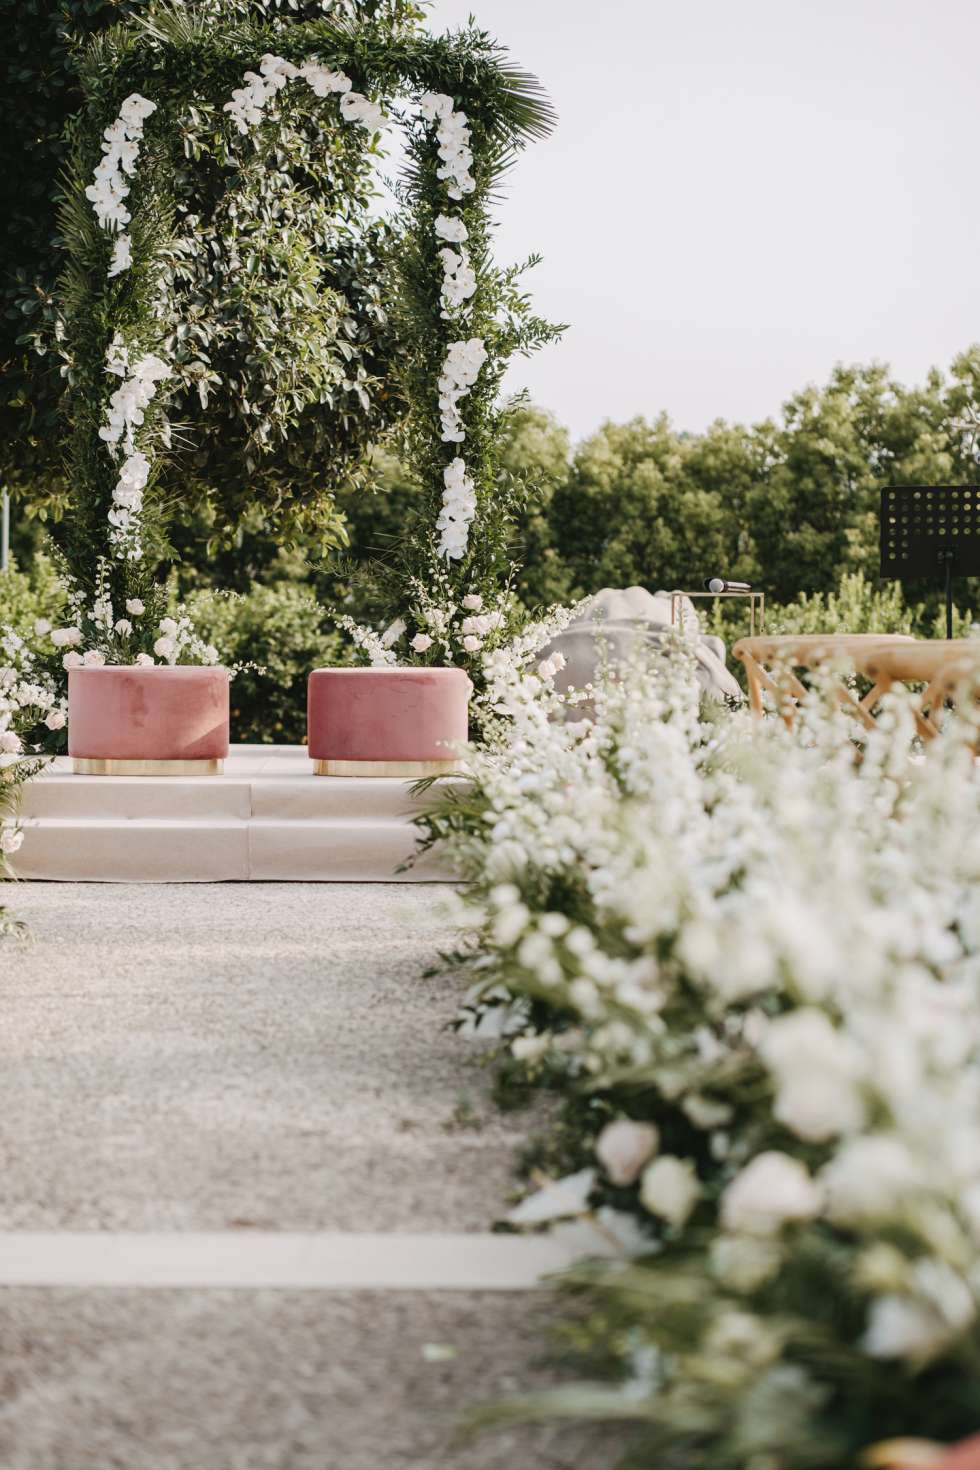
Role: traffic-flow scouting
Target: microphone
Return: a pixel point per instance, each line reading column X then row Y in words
column 718, row 584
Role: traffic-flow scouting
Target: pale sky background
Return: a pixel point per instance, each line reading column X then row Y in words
column 741, row 193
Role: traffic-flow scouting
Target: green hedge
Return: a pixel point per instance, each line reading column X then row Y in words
column 284, row 631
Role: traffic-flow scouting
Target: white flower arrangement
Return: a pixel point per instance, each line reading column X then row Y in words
column 782, row 946
column 464, row 361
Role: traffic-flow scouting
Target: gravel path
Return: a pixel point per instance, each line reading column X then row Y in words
column 240, row 1057
column 269, row 1055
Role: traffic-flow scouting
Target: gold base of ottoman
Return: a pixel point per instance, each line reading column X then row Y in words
column 408, row 770
column 84, row 766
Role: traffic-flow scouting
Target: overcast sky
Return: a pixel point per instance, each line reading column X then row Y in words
column 741, row 193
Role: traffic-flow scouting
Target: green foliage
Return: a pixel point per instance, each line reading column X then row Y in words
column 41, row 93
column 248, row 257
column 29, row 595
column 280, row 628
column 791, row 506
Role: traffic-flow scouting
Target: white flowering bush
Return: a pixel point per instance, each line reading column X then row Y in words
column 752, row 955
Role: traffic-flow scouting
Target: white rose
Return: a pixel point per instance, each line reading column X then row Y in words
column 421, row 642
column 72, row 660
column 10, row 841
column 144, row 661
column 771, row 1191
column 473, row 602
column 168, row 626
column 56, row 720
column 625, row 1147
column 165, row 647
column 42, row 627
column 670, row 1189
column 9, row 743
column 93, row 659
column 134, row 607
column 472, row 644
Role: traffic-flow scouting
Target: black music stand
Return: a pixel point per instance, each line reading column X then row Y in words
column 930, row 531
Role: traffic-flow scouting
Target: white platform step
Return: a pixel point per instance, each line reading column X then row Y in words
column 266, row 818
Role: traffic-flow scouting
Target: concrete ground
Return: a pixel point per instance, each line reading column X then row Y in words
column 253, row 1057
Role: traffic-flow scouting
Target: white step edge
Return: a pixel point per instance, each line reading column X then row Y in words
column 254, row 1260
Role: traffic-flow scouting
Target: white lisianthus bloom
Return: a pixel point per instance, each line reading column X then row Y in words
column 670, row 1189
column 869, row 1178
column 817, row 1072
column 165, row 647
column 144, row 661
column 472, row 644
column 772, row 1191
column 10, row 744
column 93, row 659
column 625, row 1147
column 530, row 1048
column 11, row 840
column 123, row 627
column 66, row 637
column 56, row 720
column 42, row 628
column 72, row 660
column 549, row 667
column 903, row 1327
column 473, row 602
column 168, row 626
column 135, row 607
column 421, row 642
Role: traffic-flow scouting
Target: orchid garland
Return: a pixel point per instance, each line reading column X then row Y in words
column 247, row 110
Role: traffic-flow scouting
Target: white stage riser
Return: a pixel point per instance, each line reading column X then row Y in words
column 267, row 819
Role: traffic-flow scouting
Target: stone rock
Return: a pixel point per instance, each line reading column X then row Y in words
column 615, row 622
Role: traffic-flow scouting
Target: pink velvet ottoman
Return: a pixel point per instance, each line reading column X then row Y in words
column 161, row 721
column 387, row 722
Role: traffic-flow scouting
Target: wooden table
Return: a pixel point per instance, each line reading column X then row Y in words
column 943, row 666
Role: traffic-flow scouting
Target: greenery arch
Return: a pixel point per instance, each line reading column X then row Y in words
column 386, row 355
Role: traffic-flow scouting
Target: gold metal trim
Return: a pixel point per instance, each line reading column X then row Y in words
column 410, row 770
column 84, row 766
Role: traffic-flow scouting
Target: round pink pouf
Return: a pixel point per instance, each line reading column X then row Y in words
column 378, row 722
column 148, row 716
